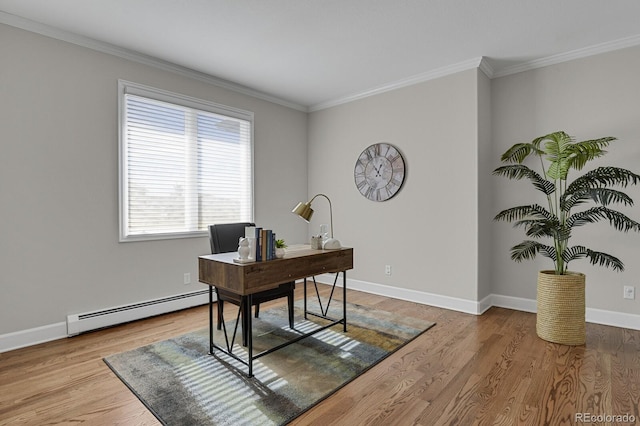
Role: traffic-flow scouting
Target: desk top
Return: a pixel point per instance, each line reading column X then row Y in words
column 299, row 261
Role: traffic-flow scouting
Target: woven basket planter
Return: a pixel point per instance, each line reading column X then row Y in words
column 561, row 308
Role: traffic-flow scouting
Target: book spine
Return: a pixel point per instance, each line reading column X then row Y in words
column 258, row 244
column 263, row 244
column 273, row 246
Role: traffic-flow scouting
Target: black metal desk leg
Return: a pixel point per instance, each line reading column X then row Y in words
column 305, row 298
column 344, row 299
column 210, row 320
column 250, row 333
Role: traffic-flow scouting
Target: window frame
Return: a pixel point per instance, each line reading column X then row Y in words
column 131, row 88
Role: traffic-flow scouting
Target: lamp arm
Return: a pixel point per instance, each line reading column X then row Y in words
column 330, row 209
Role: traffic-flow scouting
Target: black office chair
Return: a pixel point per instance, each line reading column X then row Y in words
column 224, row 238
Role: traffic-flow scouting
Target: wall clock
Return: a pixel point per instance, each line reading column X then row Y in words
column 379, row 172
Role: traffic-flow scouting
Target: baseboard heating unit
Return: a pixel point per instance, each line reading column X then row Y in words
column 80, row 323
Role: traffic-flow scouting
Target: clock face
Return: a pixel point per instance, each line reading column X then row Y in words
column 379, row 172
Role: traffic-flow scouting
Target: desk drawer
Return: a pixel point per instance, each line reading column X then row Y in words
column 272, row 273
column 250, row 278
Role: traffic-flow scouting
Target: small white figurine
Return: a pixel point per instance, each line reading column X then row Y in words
column 243, row 249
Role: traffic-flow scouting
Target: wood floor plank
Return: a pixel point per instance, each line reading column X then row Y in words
column 467, row 370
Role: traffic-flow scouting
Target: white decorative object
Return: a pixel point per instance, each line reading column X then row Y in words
column 316, row 242
column 243, row 249
column 279, row 252
column 331, row 244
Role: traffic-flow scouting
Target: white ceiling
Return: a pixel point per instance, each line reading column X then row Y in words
column 313, row 53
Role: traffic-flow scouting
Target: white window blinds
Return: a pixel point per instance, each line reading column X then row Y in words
column 185, row 164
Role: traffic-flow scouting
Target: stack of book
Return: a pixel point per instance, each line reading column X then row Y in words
column 263, row 243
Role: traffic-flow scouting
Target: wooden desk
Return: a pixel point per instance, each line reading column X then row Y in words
column 299, row 262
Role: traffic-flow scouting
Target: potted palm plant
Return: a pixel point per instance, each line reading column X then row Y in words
column 561, row 292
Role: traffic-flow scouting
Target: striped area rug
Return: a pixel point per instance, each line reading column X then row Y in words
column 183, row 385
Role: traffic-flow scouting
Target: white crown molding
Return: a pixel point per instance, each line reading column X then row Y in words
column 486, row 67
column 569, row 56
column 419, row 78
column 481, row 62
column 48, row 31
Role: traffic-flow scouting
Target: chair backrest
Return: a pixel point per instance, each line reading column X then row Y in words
column 224, row 237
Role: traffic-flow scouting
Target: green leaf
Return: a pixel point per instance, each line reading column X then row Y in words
column 595, row 257
column 573, row 253
column 519, row 171
column 556, row 148
column 517, row 153
column 606, row 260
column 529, row 249
column 582, row 152
column 538, row 228
column 602, row 177
column 533, row 211
column 616, row 219
column 603, row 196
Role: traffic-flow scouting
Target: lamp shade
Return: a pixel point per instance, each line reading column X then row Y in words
column 303, row 210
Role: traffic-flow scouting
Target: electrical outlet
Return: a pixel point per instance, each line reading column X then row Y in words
column 629, row 292
column 387, row 269
column 187, row 278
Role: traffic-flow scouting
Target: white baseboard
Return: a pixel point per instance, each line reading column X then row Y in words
column 431, row 299
column 122, row 314
column 615, row 319
column 593, row 315
column 515, row 303
column 87, row 321
column 24, row 338
column 596, row 316
column 32, row 336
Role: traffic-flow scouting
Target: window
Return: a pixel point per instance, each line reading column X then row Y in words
column 184, row 164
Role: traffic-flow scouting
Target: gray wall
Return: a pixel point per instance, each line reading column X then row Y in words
column 484, row 190
column 428, row 231
column 588, row 98
column 59, row 249
column 438, row 233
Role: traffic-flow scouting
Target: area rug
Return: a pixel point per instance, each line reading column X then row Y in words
column 182, row 384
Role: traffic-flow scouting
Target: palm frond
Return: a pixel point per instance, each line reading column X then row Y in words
column 584, row 151
column 616, row 219
column 573, row 253
column 539, row 228
column 558, row 152
column 606, row 260
column 604, row 176
column 517, row 153
column 528, row 249
column 592, row 215
column 595, row 257
column 602, row 196
column 533, row 211
column 620, row 221
column 519, row 171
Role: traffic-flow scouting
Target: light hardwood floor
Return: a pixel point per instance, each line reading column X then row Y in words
column 488, row 369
